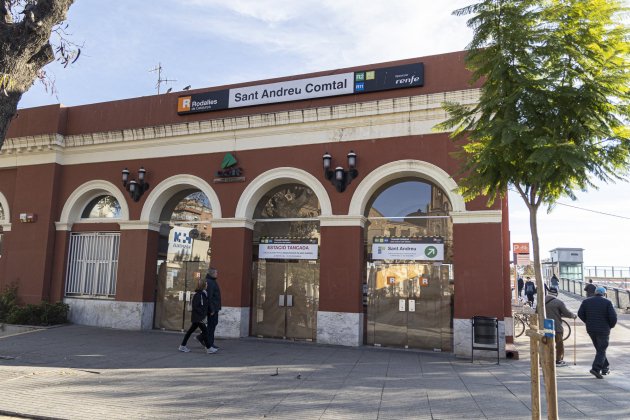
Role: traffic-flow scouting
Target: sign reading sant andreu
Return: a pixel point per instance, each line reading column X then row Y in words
column 422, row 248
column 364, row 81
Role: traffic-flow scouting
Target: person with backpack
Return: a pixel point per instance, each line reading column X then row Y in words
column 530, row 291
column 590, row 289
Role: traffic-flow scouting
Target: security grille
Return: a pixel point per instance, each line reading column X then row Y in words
column 92, row 264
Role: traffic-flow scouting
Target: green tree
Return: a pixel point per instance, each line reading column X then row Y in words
column 552, row 116
column 25, row 48
column 553, row 111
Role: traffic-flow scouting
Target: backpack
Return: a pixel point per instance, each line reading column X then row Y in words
column 529, row 287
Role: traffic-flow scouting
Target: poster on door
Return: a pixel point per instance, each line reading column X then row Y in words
column 287, row 249
column 408, row 248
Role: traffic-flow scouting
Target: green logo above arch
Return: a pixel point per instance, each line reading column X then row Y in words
column 228, row 161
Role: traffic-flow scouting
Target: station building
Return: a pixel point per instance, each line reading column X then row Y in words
column 327, row 201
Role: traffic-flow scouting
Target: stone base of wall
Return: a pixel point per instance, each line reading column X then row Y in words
column 111, row 313
column 233, row 322
column 462, row 340
column 341, row 328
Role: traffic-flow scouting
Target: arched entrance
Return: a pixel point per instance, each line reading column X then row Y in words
column 408, row 238
column 183, row 257
column 286, row 263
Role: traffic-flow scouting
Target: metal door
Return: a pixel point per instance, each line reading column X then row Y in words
column 176, row 286
column 286, row 298
column 409, row 306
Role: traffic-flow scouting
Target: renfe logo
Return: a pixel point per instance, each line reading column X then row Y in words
column 183, row 103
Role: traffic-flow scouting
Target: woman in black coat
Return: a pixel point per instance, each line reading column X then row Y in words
column 198, row 314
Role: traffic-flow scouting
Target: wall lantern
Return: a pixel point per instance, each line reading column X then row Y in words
column 339, row 177
column 135, row 188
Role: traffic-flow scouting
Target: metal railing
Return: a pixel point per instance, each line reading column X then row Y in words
column 606, row 271
column 620, row 297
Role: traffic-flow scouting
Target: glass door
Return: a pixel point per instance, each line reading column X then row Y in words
column 409, row 305
column 286, row 298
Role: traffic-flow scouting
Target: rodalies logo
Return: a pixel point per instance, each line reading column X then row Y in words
column 183, row 103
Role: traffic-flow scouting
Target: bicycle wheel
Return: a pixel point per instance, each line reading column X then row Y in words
column 519, row 327
column 567, row 330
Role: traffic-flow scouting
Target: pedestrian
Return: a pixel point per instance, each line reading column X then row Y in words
column 530, row 291
column 598, row 314
column 556, row 309
column 520, row 284
column 197, row 315
column 590, row 288
column 214, row 306
column 555, row 282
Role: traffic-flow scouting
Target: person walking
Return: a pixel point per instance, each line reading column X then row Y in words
column 197, row 315
column 555, row 282
column 214, row 305
column 530, row 291
column 598, row 314
column 556, row 309
column 590, row 288
column 520, row 284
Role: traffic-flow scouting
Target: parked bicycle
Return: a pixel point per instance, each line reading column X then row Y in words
column 521, row 323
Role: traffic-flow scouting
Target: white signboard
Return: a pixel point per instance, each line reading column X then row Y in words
column 292, row 90
column 288, row 251
column 431, row 252
column 179, row 241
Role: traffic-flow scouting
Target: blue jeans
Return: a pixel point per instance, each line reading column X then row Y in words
column 600, row 342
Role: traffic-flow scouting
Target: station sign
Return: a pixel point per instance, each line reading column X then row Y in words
column 288, row 248
column 408, row 248
column 363, row 81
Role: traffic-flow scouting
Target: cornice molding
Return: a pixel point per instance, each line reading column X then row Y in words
column 413, row 115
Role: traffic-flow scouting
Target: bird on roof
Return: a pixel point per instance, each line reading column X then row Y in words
column 169, row 90
column 187, row 87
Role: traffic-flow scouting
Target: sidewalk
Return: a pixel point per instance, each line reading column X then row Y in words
column 77, row 372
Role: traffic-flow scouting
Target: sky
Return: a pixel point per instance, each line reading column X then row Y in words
column 206, row 43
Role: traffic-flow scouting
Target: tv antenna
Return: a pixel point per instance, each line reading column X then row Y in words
column 158, row 69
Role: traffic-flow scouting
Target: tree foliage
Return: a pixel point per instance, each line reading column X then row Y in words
column 25, row 48
column 553, row 112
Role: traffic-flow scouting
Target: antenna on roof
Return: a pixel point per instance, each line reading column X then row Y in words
column 158, row 69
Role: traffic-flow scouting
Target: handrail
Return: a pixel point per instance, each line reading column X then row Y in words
column 619, row 297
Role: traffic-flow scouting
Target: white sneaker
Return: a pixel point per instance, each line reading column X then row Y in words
column 212, row 350
column 184, row 349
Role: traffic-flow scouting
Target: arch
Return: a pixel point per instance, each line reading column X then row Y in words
column 87, row 192
column 158, row 198
column 6, row 222
column 400, row 169
column 273, row 178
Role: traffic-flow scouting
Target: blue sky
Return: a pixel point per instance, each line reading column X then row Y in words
column 206, row 43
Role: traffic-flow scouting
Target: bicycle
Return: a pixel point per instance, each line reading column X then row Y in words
column 521, row 323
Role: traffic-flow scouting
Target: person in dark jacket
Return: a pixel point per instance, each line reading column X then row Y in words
column 590, row 288
column 197, row 315
column 214, row 305
column 598, row 314
column 530, row 291
column 556, row 309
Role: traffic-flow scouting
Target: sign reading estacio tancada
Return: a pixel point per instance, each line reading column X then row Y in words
column 409, row 75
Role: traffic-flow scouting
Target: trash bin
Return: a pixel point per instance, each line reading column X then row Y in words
column 485, row 335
